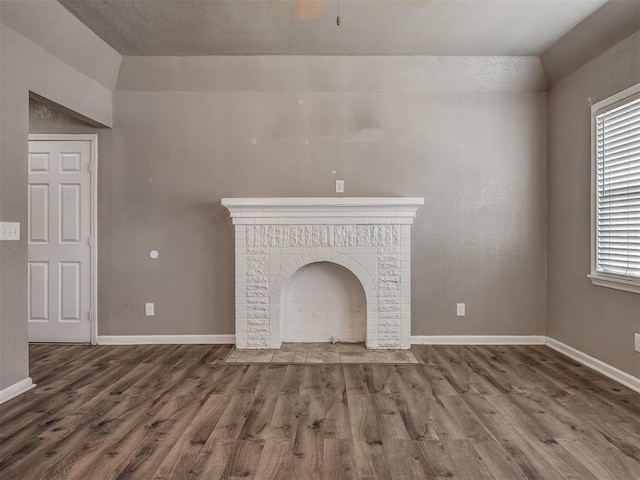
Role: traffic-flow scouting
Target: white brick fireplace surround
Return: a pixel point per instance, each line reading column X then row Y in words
column 370, row 236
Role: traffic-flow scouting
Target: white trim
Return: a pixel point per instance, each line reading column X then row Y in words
column 478, row 339
column 323, row 202
column 93, row 139
column 632, row 90
column 374, row 209
column 16, row 389
column 598, row 365
column 624, row 284
column 165, row 339
column 94, row 239
column 599, row 279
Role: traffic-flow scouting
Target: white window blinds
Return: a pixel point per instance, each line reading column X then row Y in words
column 618, row 189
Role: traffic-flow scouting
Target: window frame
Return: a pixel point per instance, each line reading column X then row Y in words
column 618, row 282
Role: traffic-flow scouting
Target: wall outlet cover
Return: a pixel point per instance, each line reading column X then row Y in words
column 339, row 186
column 460, row 310
column 637, row 342
column 149, row 309
column 9, row 231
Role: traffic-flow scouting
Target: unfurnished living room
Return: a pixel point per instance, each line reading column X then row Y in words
column 320, row 239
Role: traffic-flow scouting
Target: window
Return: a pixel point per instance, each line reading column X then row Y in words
column 616, row 191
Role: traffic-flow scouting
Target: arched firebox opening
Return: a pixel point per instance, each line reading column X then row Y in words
column 323, row 302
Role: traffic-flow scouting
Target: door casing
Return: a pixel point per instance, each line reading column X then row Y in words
column 93, row 275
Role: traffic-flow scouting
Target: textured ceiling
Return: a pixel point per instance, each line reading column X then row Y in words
column 369, row 27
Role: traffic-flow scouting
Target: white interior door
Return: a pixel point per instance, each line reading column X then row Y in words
column 59, row 271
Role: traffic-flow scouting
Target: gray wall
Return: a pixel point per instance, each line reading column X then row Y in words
column 58, row 32
column 598, row 321
column 45, row 118
column 26, row 67
column 468, row 134
column 616, row 20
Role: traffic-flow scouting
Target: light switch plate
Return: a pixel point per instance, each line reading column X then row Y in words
column 149, row 309
column 460, row 310
column 9, row 231
column 637, row 342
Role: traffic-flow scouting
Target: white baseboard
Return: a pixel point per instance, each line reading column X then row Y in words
column 598, row 365
column 16, row 389
column 478, row 339
column 165, row 339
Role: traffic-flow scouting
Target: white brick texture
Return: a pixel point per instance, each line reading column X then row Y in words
column 323, row 302
column 365, row 241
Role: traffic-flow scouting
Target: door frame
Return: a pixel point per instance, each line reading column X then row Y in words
column 93, row 246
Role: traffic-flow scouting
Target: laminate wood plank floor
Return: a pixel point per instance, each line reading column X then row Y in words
column 181, row 412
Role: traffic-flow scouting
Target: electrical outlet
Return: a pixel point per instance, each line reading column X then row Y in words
column 339, row 186
column 9, row 231
column 460, row 310
column 149, row 309
column 637, row 342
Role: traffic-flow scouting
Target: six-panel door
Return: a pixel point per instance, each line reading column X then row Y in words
column 59, row 241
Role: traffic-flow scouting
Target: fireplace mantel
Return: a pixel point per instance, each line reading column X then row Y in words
column 318, row 206
column 370, row 236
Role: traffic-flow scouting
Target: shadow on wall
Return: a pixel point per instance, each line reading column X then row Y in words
column 47, row 117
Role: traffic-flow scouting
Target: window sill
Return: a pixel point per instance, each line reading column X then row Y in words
column 614, row 282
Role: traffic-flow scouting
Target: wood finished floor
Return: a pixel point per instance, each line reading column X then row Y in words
column 179, row 412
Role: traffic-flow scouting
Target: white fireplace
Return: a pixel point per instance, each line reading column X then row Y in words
column 371, row 237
